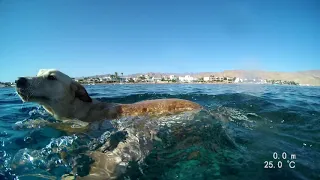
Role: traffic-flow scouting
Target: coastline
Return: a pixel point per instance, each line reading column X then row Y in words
column 216, row 83
column 193, row 83
column 161, row 83
column 164, row 83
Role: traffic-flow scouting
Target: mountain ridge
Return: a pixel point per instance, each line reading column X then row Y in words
column 311, row 77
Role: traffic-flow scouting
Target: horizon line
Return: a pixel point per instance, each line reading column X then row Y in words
column 195, row 72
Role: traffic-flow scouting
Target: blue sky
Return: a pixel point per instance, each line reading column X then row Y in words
column 97, row 37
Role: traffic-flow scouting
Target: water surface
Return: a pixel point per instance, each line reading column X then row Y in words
column 244, row 127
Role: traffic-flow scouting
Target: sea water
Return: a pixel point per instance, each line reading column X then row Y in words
column 245, row 132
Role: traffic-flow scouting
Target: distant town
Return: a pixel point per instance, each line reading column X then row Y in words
column 149, row 79
column 146, row 78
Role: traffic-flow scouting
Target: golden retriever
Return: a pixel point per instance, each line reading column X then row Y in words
column 66, row 99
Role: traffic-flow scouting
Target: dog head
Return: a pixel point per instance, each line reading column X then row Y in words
column 51, row 88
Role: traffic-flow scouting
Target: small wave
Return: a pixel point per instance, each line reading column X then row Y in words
column 56, row 157
column 246, row 124
column 4, row 102
column 10, row 94
column 30, row 124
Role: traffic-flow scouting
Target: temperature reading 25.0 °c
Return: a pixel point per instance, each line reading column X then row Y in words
column 281, row 160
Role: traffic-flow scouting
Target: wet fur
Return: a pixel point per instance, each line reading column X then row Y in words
column 67, row 100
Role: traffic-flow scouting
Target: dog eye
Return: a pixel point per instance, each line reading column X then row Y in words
column 50, row 77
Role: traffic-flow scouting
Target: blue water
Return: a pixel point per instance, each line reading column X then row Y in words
column 245, row 125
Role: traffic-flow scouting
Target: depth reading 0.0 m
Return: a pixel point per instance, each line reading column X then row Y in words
column 283, row 156
column 278, row 158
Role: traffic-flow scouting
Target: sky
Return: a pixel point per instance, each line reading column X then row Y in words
column 91, row 37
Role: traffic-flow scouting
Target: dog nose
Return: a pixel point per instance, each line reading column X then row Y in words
column 21, row 82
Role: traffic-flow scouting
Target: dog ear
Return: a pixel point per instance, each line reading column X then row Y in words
column 80, row 92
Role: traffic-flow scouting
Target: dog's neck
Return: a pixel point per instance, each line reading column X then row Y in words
column 84, row 111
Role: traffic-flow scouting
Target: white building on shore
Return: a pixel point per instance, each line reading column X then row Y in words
column 186, row 78
column 107, row 78
column 172, row 77
column 206, row 79
column 124, row 79
column 156, row 79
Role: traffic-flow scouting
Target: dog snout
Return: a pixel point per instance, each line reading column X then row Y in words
column 21, row 82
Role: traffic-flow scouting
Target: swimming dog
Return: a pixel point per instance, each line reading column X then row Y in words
column 65, row 99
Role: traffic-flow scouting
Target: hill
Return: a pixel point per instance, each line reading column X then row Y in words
column 302, row 77
column 311, row 77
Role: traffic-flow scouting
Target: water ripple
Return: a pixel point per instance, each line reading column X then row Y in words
column 240, row 128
